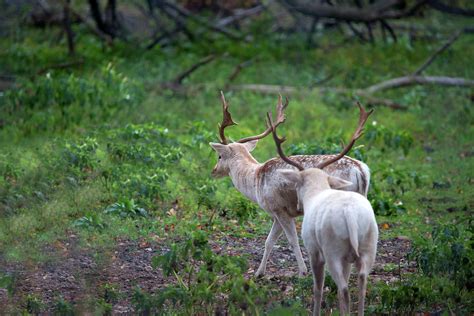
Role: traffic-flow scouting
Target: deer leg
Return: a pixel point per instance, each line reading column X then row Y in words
column 273, row 236
column 335, row 267
column 288, row 224
column 364, row 264
column 317, row 266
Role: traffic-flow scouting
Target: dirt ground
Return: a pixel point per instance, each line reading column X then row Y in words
column 77, row 276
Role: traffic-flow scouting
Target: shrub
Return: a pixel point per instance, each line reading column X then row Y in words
column 57, row 102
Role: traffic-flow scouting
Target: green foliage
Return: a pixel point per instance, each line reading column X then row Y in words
column 147, row 143
column 377, row 135
column 126, row 208
column 7, row 281
column 449, row 252
column 81, row 155
column 34, row 304
column 419, row 294
column 62, row 307
column 57, row 102
column 202, row 277
column 90, row 221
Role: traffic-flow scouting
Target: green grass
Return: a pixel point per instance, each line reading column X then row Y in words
column 74, row 142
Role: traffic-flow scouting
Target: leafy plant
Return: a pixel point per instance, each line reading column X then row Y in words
column 126, row 208
column 34, row 305
column 449, row 253
column 90, row 221
column 55, row 102
column 81, row 155
column 387, row 139
column 201, row 276
column 62, row 307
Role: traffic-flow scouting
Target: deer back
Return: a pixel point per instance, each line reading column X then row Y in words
column 274, row 193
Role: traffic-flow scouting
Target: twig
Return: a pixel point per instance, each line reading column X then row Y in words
column 238, row 69
column 179, row 79
column 67, row 26
column 428, row 62
column 64, row 65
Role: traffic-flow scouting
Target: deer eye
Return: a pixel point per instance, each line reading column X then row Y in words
column 220, row 156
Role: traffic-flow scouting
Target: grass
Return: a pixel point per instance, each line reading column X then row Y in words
column 74, row 142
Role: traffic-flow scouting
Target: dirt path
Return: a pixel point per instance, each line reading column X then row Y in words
column 77, row 277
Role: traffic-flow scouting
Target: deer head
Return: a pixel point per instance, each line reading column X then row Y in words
column 242, row 148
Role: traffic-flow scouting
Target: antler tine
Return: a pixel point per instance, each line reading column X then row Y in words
column 280, row 119
column 363, row 116
column 226, row 120
column 279, row 141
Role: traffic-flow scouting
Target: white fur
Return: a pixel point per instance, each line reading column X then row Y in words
column 269, row 189
column 339, row 229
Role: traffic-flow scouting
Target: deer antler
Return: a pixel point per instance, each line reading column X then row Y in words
column 278, row 141
column 226, row 120
column 363, row 116
column 280, row 119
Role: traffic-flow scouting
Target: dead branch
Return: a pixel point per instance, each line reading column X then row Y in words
column 185, row 13
column 240, row 15
column 440, row 6
column 64, row 65
column 103, row 36
column 67, row 26
column 419, row 80
column 437, row 52
column 275, row 89
column 238, row 69
column 380, row 10
column 176, row 83
column 179, row 79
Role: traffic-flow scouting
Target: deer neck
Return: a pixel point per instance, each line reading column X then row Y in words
column 243, row 174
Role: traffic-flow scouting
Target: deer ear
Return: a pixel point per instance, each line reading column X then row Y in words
column 292, row 176
column 251, row 145
column 338, row 183
column 220, row 148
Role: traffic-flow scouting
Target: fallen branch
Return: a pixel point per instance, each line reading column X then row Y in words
column 419, row 80
column 63, row 65
column 380, row 10
column 240, row 15
column 440, row 6
column 275, row 89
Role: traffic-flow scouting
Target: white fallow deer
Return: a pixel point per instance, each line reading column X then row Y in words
column 260, row 183
column 339, row 228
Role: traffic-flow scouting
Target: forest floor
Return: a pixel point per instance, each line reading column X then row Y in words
column 76, row 276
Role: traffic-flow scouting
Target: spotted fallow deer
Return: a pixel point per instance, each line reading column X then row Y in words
column 263, row 185
column 339, row 228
